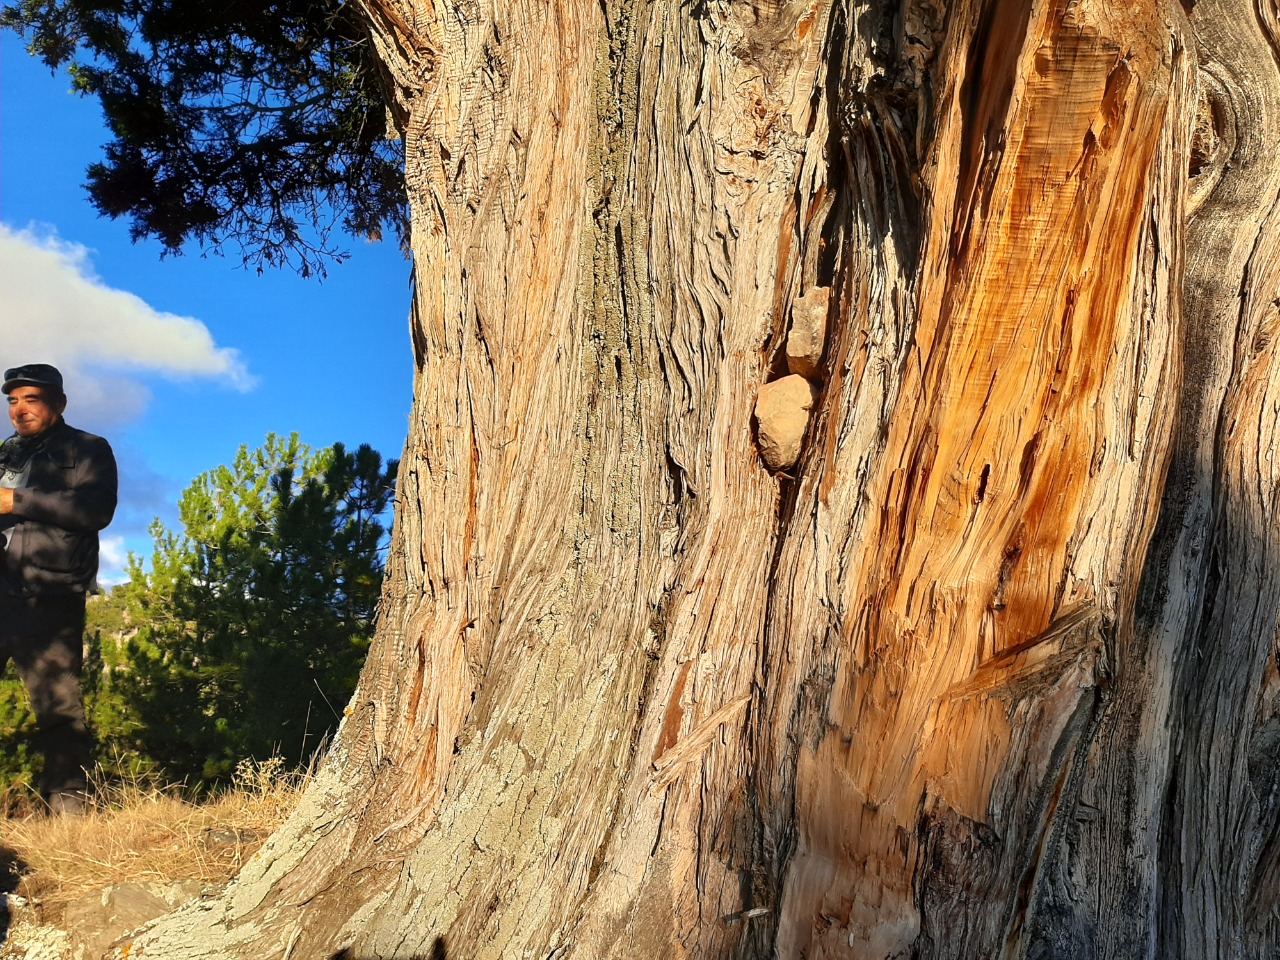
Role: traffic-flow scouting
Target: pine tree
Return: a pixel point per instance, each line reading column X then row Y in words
column 254, row 619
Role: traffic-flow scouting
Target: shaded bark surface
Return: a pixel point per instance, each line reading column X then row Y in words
column 991, row 671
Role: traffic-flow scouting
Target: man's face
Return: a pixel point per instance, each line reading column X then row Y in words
column 34, row 410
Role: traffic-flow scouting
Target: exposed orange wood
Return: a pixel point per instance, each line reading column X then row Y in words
column 1043, row 191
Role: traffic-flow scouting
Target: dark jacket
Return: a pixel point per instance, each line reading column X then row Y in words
column 69, row 496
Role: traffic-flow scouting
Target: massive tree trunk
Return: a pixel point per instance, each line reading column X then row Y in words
column 988, row 667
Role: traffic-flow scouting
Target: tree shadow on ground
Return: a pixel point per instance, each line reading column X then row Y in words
column 12, row 868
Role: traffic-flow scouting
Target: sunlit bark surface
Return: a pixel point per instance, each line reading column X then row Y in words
column 990, row 670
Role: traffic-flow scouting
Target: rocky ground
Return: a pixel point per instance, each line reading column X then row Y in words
column 87, row 925
column 72, row 887
column 86, row 928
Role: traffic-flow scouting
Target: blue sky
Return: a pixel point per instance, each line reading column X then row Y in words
column 179, row 361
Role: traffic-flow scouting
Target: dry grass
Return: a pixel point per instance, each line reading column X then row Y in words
column 140, row 834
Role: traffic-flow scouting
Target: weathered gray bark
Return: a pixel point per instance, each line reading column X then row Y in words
column 991, row 669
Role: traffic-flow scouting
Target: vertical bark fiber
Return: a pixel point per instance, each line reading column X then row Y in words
column 991, row 671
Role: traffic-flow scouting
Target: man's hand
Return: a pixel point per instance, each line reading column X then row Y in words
column 6, row 501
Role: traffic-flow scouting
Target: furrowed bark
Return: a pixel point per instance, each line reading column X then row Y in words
column 1216, row 593
column 589, row 359
column 969, row 678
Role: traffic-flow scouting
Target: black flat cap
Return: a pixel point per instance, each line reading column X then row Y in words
column 32, row 375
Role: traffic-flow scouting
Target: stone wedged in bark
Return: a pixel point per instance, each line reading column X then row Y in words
column 782, row 416
column 808, row 334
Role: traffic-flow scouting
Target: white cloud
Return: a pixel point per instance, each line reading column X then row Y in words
column 112, row 556
column 55, row 309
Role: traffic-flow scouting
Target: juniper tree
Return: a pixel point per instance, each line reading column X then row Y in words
column 241, row 126
column 985, row 664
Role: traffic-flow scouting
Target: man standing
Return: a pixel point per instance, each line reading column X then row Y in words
column 57, row 490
